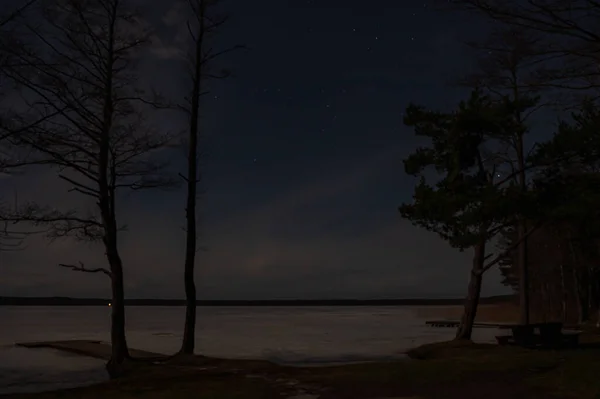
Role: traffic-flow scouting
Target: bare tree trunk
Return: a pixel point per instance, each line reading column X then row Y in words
column 106, row 189
column 189, row 329
column 119, row 351
column 107, row 208
column 465, row 330
column 201, row 57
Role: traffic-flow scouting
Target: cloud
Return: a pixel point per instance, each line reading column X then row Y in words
column 344, row 177
column 176, row 14
column 272, row 247
column 166, row 50
column 301, row 242
column 172, row 39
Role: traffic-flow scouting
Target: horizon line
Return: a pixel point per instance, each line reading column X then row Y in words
column 257, row 300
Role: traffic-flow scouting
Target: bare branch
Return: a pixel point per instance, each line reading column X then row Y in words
column 81, row 268
column 18, row 12
column 503, row 255
column 570, row 30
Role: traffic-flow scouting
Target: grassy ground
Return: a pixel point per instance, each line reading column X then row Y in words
column 445, row 370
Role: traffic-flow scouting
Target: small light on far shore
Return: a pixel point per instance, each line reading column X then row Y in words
column 109, row 304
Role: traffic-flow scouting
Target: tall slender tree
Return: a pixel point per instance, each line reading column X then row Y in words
column 509, row 61
column 202, row 26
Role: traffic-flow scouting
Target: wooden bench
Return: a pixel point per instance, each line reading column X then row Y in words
column 504, row 339
column 550, row 335
column 571, row 338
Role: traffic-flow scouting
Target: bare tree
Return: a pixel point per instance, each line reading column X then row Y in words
column 83, row 115
column 570, row 27
column 11, row 238
column 202, row 26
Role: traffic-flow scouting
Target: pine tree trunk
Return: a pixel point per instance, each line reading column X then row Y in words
column 522, row 223
column 585, row 300
column 590, row 293
column 564, row 292
column 578, row 295
column 524, row 285
column 596, row 293
column 465, row 330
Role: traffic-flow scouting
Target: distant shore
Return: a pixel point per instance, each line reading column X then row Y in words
column 65, row 301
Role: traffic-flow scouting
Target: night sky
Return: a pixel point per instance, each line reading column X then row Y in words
column 303, row 173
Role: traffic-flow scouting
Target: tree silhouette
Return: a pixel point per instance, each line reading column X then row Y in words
column 571, row 183
column 83, row 115
column 570, row 30
column 202, row 25
column 509, row 61
column 468, row 205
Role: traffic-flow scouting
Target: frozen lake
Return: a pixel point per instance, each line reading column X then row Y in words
column 296, row 335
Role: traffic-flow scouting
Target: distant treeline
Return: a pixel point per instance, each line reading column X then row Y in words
column 63, row 301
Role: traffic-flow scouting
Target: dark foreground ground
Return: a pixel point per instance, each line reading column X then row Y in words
column 445, row 370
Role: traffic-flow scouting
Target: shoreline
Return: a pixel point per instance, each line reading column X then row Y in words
column 453, row 370
column 292, row 366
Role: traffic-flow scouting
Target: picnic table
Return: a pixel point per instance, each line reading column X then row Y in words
column 539, row 334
